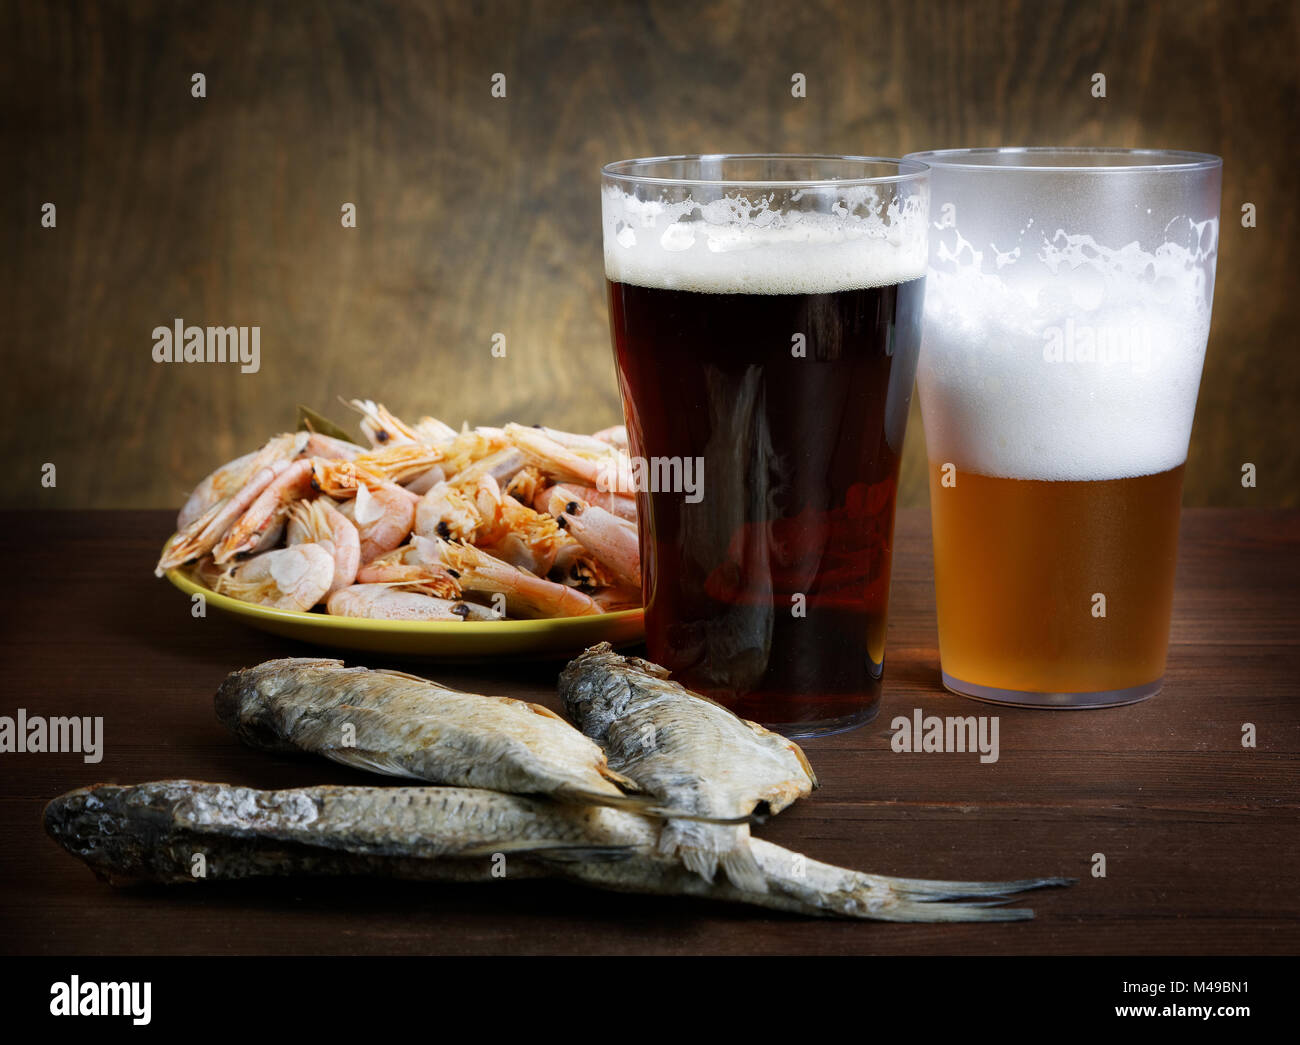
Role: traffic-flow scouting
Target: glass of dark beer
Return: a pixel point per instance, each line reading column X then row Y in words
column 765, row 313
column 1066, row 317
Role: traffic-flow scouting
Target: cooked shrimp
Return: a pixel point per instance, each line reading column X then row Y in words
column 319, row 522
column 611, row 600
column 615, row 435
column 447, row 510
column 605, row 469
column 503, row 515
column 525, row 594
column 426, row 480
column 383, row 428
column 270, row 537
column 538, row 516
column 481, row 514
column 622, row 505
column 289, row 578
column 501, row 464
column 417, row 565
column 268, row 510
column 609, row 538
column 384, row 602
column 330, row 448
column 400, row 461
column 478, row 447
column 383, row 518
column 217, row 486
column 525, row 485
column 207, row 529
column 380, row 426
column 575, row 566
column 575, row 441
column 342, row 479
column 232, row 476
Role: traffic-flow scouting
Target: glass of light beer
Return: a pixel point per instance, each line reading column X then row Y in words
column 765, row 315
column 1066, row 318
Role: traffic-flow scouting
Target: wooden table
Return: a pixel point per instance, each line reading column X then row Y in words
column 1200, row 835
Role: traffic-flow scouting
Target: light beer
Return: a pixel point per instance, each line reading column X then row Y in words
column 1019, row 566
column 1066, row 318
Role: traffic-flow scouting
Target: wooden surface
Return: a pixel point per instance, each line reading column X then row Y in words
column 1201, row 836
column 479, row 215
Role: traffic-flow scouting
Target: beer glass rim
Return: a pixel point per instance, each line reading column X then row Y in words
column 648, row 170
column 1070, row 159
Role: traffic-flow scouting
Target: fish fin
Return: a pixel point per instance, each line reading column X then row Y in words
column 919, row 900
column 911, row 911
column 738, row 864
column 837, row 891
column 701, row 847
column 922, row 900
column 370, row 761
column 742, row 870
column 925, row 890
column 704, row 862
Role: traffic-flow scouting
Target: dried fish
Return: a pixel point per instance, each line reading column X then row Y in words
column 401, row 725
column 156, row 831
column 692, row 754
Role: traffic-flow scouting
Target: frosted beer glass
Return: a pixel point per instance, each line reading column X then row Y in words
column 1066, row 317
column 765, row 313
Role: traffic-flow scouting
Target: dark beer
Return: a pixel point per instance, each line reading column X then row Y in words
column 769, row 594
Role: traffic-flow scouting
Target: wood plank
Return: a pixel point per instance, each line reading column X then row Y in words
column 1201, row 836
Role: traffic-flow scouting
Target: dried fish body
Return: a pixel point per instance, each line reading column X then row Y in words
column 690, row 753
column 153, row 832
column 400, row 725
column 120, row 825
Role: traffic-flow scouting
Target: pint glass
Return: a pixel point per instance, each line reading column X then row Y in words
column 765, row 314
column 1067, row 311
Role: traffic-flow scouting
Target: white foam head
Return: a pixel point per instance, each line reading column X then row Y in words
column 1073, row 361
column 735, row 245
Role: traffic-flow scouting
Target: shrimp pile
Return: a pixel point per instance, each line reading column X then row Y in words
column 421, row 522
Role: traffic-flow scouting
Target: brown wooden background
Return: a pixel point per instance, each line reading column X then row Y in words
column 479, row 215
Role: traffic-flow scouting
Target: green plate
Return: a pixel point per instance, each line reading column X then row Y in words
column 450, row 640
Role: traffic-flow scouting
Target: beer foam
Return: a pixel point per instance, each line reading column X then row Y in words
column 736, row 245
column 1080, row 362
